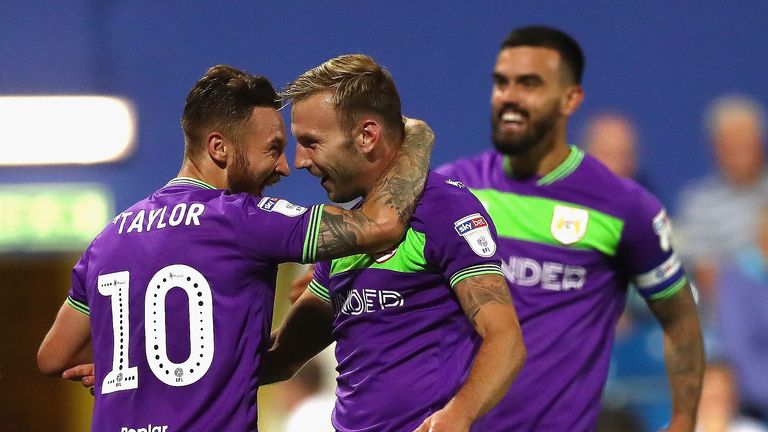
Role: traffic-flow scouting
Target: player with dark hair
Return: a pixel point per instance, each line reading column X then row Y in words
column 176, row 294
column 426, row 335
column 572, row 236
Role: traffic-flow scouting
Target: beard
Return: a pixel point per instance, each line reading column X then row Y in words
column 344, row 175
column 239, row 179
column 520, row 144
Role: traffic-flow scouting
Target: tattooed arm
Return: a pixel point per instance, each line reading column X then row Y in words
column 683, row 355
column 488, row 305
column 386, row 213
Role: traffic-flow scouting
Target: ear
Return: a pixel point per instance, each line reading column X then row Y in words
column 217, row 147
column 370, row 132
column 573, row 98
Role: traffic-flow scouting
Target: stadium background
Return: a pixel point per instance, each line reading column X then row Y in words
column 659, row 62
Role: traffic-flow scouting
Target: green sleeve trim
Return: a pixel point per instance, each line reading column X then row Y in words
column 80, row 307
column 319, row 290
column 670, row 290
column 313, row 232
column 477, row 270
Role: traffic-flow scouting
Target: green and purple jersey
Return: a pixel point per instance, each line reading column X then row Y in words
column 403, row 344
column 570, row 242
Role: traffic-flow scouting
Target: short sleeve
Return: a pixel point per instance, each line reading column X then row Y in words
column 461, row 238
column 320, row 283
column 78, row 296
column 645, row 250
column 279, row 231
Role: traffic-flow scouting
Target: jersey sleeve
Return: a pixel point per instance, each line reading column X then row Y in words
column 78, row 296
column 461, row 238
column 645, row 250
column 279, row 231
column 321, row 281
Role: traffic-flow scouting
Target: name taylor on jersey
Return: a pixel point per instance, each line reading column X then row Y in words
column 159, row 218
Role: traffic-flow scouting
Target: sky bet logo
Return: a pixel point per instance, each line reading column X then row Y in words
column 268, row 203
column 466, row 226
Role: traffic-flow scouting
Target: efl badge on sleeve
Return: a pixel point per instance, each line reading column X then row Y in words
column 474, row 229
column 281, row 206
column 569, row 224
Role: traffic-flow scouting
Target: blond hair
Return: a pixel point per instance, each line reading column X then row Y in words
column 358, row 85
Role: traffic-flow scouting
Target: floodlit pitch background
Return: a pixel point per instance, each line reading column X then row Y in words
column 659, row 62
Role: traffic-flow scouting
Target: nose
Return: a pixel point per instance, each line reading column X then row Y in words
column 282, row 166
column 508, row 94
column 302, row 160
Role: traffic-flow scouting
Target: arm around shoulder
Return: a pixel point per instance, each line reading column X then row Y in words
column 386, row 213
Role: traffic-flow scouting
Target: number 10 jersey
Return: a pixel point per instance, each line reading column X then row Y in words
column 180, row 291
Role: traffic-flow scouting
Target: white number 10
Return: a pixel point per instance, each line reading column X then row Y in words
column 123, row 376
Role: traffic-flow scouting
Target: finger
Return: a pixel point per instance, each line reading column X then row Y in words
column 75, row 373
column 89, row 381
column 93, row 391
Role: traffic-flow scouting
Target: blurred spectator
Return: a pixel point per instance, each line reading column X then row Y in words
column 717, row 214
column 307, row 399
column 718, row 409
column 743, row 318
column 618, row 421
column 612, row 139
column 636, row 394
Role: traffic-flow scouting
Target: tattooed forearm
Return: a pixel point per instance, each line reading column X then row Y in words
column 339, row 233
column 477, row 291
column 683, row 353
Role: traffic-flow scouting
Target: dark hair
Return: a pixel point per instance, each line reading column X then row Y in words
column 223, row 99
column 552, row 38
column 358, row 84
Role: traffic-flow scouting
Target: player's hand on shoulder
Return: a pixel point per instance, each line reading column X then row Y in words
column 83, row 373
column 418, row 132
column 445, row 420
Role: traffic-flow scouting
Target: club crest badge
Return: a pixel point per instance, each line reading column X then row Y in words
column 474, row 229
column 569, row 224
column 384, row 257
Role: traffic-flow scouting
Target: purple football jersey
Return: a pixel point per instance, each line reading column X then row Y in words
column 403, row 344
column 570, row 243
column 180, row 291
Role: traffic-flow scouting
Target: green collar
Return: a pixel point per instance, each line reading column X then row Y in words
column 563, row 170
column 189, row 181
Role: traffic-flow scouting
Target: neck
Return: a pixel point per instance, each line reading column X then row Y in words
column 544, row 157
column 378, row 164
column 204, row 172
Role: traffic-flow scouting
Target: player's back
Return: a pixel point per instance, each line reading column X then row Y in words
column 181, row 307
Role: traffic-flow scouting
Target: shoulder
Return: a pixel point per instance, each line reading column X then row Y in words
column 617, row 195
column 442, row 194
column 444, row 200
column 466, row 167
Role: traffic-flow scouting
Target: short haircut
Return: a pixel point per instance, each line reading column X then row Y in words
column 223, row 99
column 727, row 108
column 552, row 38
column 359, row 85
